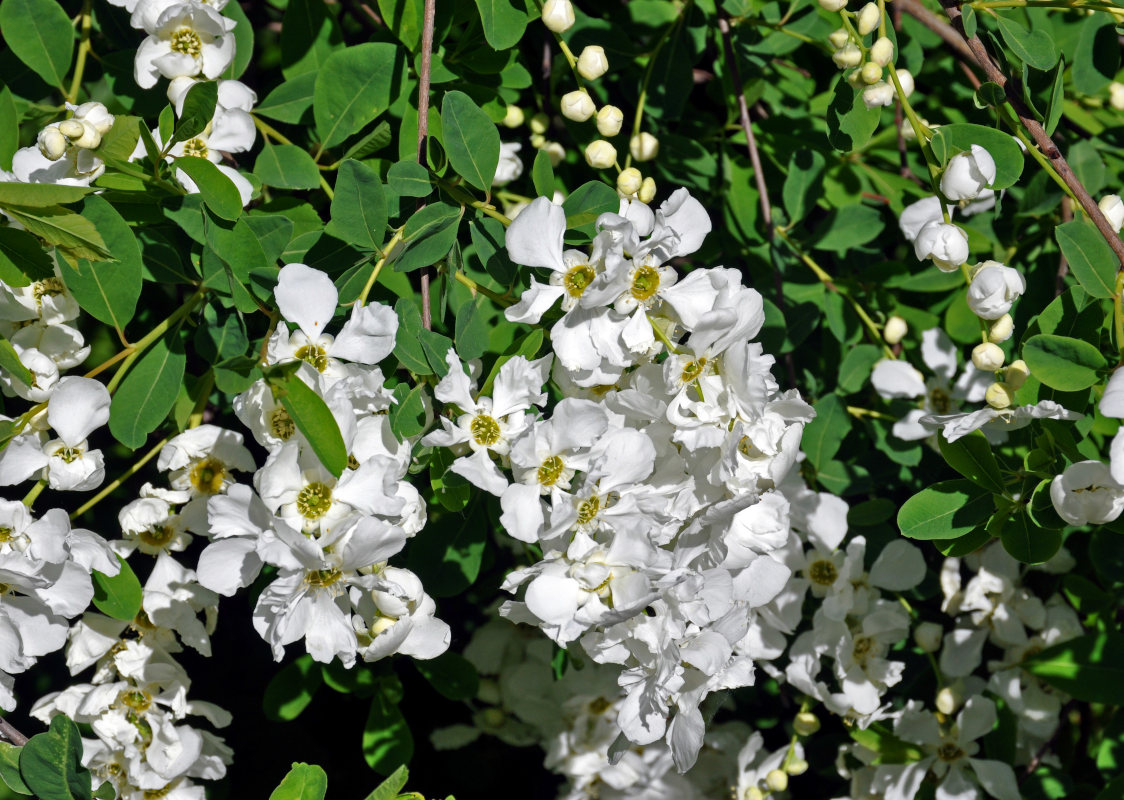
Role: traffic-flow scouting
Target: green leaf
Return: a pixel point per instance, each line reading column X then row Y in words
column 1090, row 258
column 849, row 122
column 313, row 418
column 286, row 166
column 290, row 101
column 1096, row 59
column 64, row 229
column 51, row 762
column 9, row 768
column 452, row 675
column 9, row 127
column 40, row 34
column 428, row 236
column 1004, row 149
column 848, row 227
column 359, row 206
column 408, row 415
column 304, row 782
column 503, row 22
column 148, row 392
column 107, row 290
column 1027, row 542
column 1090, row 667
column 22, row 258
column 40, row 195
column 1035, row 47
column 387, row 741
column 243, row 34
column 586, row 203
column 378, row 138
column 824, row 434
column 389, row 789
column 10, row 363
column 542, row 175
column 407, row 341
column 803, row 184
column 217, row 190
column 471, row 139
column 405, row 18
column 198, row 111
column 309, row 34
column 1063, row 363
column 472, row 328
column 409, row 179
column 289, row 692
column 353, row 87
column 448, row 560
column 118, row 596
column 857, row 366
column 971, row 456
column 945, row 510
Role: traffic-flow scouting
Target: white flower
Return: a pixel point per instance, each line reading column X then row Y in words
column 187, row 39
column 968, row 174
column 510, row 166
column 994, row 289
column 920, row 213
column 1087, row 493
column 558, row 15
column 944, row 243
column 996, row 420
column 878, row 95
column 1113, row 208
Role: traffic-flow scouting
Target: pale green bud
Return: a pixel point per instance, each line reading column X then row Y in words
column 558, row 15
column 871, row 72
column 839, row 38
column 539, row 123
column 647, row 191
column 1001, row 329
column 806, row 723
column 849, row 55
column 578, row 106
column 1000, row 396
column 514, row 117
column 895, row 330
column 599, row 154
column 629, row 181
column 52, row 144
column 644, row 146
column 988, row 357
column 882, row 51
column 777, row 780
column 1016, row 374
column 869, row 17
column 593, row 63
column 609, row 120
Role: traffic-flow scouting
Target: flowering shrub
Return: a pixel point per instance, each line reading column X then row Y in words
column 551, row 380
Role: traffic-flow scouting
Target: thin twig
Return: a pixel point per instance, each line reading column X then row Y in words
column 938, row 26
column 423, row 134
column 9, row 733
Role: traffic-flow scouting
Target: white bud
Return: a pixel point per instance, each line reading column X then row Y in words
column 882, row 51
column 869, row 17
column 806, row 723
column 753, row 793
column 593, row 63
column 944, row 243
column 833, row 5
column 95, row 114
column 629, row 181
column 905, row 78
column 647, row 191
column 871, row 72
column 538, row 141
column 558, row 15
column 849, row 55
column 855, row 78
column 1016, row 374
column 539, row 123
column 72, row 129
column 839, row 38
column 796, row 766
column 52, row 144
column 880, row 94
column 968, row 174
column 994, row 289
column 555, row 152
column 1113, row 209
column 609, row 120
column 948, row 700
column 1116, row 95
column 988, row 357
column 578, row 106
column 644, row 146
column 776, row 780
column 599, row 154
column 514, row 117
column 1001, row 329
column 1000, row 395
column 895, row 330
column 928, row 636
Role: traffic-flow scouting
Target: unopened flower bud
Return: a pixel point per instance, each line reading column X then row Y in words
column 928, row 636
column 1116, row 95
column 994, row 289
column 833, row 5
column 578, row 106
column 869, row 17
column 599, row 154
column 806, row 723
column 776, row 780
column 647, row 191
column 1000, row 395
column 855, row 78
column 493, row 717
column 882, row 51
column 988, row 357
column 796, row 766
column 1016, row 374
column 895, row 330
column 949, row 699
column 644, row 146
column 72, row 128
column 609, row 120
column 849, row 55
column 52, row 144
column 968, row 174
column 558, row 15
column 839, row 38
column 905, row 78
column 538, row 141
column 629, row 181
column 879, row 94
column 943, row 242
column 753, row 793
column 871, row 72
column 514, row 117
column 539, row 123
column 96, row 114
column 1001, row 329
column 555, row 152
column 1113, row 209
column 593, row 63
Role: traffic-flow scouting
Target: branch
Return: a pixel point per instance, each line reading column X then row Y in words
column 938, row 26
column 1034, row 127
column 423, row 133
column 9, row 733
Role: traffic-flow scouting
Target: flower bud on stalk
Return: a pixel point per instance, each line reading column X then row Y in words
column 895, row 330
column 871, row 72
column 1016, row 374
column 578, row 106
column 599, row 154
column 944, row 243
column 558, row 15
column 949, row 699
column 593, row 63
column 555, row 152
column 849, row 55
column 539, row 123
column 833, row 5
column 647, row 191
column 609, row 120
column 1116, row 95
column 1113, row 209
column 968, row 174
column 879, row 94
column 994, row 289
column 928, row 636
column 1001, row 329
column 806, row 723
column 514, row 117
column 644, row 146
column 777, row 780
column 869, row 18
column 1000, row 395
column 52, row 144
column 796, row 766
column 905, row 78
column 882, row 51
column 988, row 357
column 839, row 38
column 629, row 181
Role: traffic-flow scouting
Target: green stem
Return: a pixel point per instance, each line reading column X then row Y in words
column 1071, row 6
column 638, row 119
column 1118, row 312
column 495, row 297
column 111, row 487
column 36, row 490
column 659, row 334
column 152, row 336
column 465, row 199
column 378, row 267
column 83, row 52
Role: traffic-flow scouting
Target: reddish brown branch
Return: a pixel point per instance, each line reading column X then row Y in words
column 9, row 733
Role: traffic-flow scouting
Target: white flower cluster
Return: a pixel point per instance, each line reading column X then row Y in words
column 44, row 581
column 63, row 152
column 867, row 63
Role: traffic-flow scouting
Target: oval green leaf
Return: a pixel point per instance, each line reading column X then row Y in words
column 118, row 596
column 1090, row 667
column 217, row 190
column 148, row 392
column 1063, row 363
column 471, row 139
column 353, row 87
column 1004, row 149
column 51, row 763
column 304, row 782
column 946, row 510
column 1090, row 258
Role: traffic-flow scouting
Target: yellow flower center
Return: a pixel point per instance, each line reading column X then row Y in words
column 939, row 400
column 314, row 500
column 160, row 536
column 588, row 509
column 577, row 278
column 485, row 430
column 320, row 578
column 207, row 476
column 313, row 354
column 281, row 424
column 48, row 287
column 822, row 572
column 136, row 699
column 949, row 751
column 69, row 454
column 550, row 470
column 692, row 370
column 187, row 42
column 195, row 147
column 6, row 535
column 645, row 282
column 863, row 647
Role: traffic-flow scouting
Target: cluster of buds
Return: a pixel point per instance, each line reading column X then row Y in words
column 867, row 64
column 84, row 130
